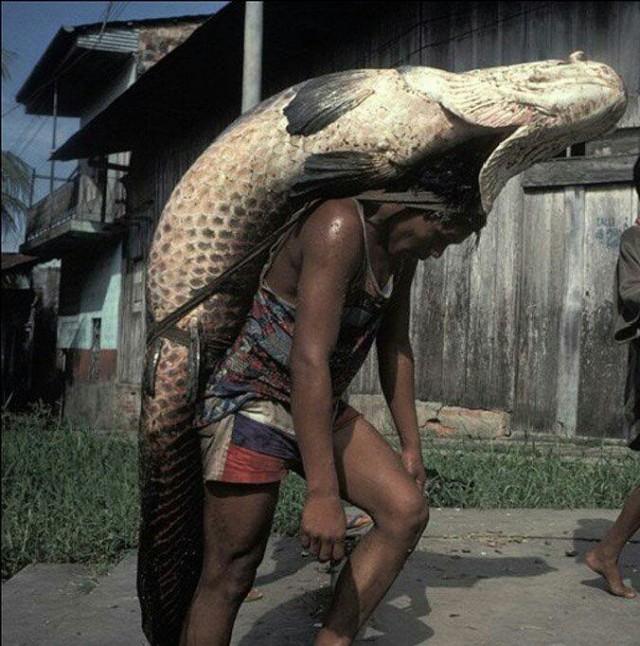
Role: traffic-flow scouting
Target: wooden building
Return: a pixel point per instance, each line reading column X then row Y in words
column 81, row 72
column 522, row 323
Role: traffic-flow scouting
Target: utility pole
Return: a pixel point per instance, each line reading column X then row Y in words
column 53, row 137
column 252, row 69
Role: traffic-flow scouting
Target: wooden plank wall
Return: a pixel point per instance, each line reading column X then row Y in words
column 520, row 322
column 607, row 212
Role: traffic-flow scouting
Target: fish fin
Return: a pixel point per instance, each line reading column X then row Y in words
column 343, row 173
column 321, row 101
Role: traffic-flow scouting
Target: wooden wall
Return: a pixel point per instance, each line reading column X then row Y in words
column 522, row 321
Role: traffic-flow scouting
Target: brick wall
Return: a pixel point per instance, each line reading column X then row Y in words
column 157, row 42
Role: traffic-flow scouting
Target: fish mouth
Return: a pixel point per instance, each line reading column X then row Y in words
column 549, row 105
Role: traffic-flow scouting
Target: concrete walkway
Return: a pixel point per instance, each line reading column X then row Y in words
column 479, row 577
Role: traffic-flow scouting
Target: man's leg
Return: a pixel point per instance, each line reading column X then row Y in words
column 237, row 521
column 372, row 477
column 603, row 558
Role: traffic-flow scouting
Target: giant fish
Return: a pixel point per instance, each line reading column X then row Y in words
column 448, row 141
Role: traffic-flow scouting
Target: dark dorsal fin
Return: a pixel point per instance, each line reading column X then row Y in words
column 343, row 173
column 325, row 99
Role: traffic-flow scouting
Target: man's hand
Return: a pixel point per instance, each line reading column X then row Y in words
column 324, row 527
column 413, row 463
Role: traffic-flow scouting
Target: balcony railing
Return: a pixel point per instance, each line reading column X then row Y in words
column 79, row 198
column 53, row 210
column 76, row 206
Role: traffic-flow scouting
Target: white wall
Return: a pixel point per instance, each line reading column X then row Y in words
column 99, row 298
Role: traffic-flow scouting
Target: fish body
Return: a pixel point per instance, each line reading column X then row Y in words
column 242, row 187
column 459, row 137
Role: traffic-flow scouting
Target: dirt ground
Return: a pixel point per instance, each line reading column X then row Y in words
column 495, row 577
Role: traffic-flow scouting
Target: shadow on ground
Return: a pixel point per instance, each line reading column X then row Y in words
column 407, row 603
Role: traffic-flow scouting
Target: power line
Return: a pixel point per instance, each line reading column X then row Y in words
column 464, row 34
column 118, row 12
column 26, row 145
column 26, row 130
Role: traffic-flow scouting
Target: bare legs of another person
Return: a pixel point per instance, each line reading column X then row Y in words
column 603, row 558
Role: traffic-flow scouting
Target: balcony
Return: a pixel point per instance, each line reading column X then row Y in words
column 76, row 216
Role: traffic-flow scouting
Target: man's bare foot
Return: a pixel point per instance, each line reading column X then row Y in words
column 600, row 563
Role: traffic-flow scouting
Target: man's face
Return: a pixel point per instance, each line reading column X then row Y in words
column 436, row 237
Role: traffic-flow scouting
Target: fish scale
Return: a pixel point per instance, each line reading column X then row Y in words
column 340, row 135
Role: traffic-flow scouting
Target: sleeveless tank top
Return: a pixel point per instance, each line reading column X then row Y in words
column 257, row 364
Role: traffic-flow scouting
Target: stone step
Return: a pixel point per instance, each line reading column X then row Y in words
column 56, row 604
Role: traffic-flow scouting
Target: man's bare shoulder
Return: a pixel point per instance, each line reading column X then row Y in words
column 334, row 228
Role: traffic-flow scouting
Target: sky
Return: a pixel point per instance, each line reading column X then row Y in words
column 27, row 30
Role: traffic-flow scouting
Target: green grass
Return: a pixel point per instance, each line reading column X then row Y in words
column 70, row 495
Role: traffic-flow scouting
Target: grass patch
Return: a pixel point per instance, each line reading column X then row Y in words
column 70, row 495
column 469, row 474
column 524, row 475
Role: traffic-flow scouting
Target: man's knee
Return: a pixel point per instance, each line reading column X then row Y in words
column 418, row 515
column 230, row 580
column 408, row 516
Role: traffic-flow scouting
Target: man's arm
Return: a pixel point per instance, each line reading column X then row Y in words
column 331, row 248
column 396, row 369
column 629, row 271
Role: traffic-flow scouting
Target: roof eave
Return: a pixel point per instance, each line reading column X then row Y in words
column 44, row 70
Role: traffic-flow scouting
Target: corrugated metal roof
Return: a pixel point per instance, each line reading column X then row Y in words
column 112, row 40
column 165, row 101
column 171, row 20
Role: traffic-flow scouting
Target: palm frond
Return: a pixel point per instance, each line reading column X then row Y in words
column 9, row 217
column 16, row 175
column 7, row 58
column 16, row 187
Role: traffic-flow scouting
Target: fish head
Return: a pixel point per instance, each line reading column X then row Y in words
column 538, row 109
column 577, row 94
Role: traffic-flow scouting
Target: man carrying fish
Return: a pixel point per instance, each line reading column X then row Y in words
column 340, row 281
column 348, row 179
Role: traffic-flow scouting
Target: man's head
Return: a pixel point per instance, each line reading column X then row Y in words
column 422, row 234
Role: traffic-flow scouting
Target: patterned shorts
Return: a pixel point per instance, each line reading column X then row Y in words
column 257, row 444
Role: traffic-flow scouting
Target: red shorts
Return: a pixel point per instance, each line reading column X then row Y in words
column 256, row 444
